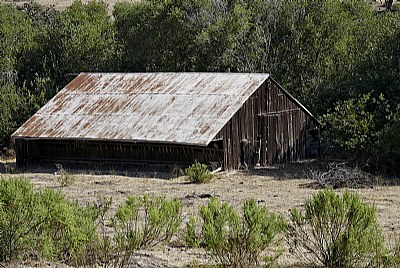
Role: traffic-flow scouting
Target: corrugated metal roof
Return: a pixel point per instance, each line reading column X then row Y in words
column 185, row 108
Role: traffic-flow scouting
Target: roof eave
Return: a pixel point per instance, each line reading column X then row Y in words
column 112, row 140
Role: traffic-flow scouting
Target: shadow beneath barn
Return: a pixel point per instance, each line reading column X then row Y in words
column 95, row 169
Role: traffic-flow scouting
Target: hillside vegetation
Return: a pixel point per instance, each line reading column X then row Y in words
column 340, row 58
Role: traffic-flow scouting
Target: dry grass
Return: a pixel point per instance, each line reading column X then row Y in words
column 280, row 189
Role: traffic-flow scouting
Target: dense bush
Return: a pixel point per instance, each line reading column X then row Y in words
column 365, row 128
column 192, row 238
column 43, row 224
column 351, row 125
column 336, row 231
column 198, row 173
column 333, row 231
column 143, row 222
column 18, row 230
column 386, row 150
column 70, row 230
column 238, row 240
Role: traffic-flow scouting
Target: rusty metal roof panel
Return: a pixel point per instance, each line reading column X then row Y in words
column 186, row 108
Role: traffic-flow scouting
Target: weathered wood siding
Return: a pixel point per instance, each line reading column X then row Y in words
column 133, row 154
column 240, row 134
column 269, row 128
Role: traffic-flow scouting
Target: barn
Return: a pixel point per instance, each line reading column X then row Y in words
column 230, row 120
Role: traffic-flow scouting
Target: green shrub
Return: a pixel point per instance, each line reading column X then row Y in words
column 20, row 218
column 70, row 230
column 104, row 248
column 395, row 259
column 198, row 173
column 351, row 125
column 336, row 231
column 191, row 237
column 391, row 258
column 386, row 149
column 64, row 177
column 234, row 240
column 43, row 224
column 144, row 222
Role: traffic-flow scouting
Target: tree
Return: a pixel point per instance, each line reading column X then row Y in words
column 37, row 65
column 316, row 43
column 16, row 34
column 86, row 39
column 12, row 111
column 156, row 35
column 235, row 35
column 379, row 69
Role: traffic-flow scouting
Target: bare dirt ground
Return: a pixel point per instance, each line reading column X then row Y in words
column 279, row 188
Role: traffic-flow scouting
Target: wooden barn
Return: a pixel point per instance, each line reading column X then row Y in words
column 164, row 119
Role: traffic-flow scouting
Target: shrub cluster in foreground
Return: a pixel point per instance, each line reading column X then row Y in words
column 332, row 231
column 43, row 224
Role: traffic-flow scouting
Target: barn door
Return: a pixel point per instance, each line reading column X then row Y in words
column 269, row 139
column 274, row 137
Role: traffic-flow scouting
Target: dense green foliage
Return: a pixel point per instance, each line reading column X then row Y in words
column 366, row 128
column 327, row 53
column 144, row 222
column 238, row 240
column 198, row 173
column 12, row 104
column 43, row 224
column 43, row 49
column 336, row 231
column 191, row 237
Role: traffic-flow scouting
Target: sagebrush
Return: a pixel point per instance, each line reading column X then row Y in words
column 198, row 173
column 64, row 177
column 336, row 231
column 143, row 222
column 192, row 238
column 43, row 224
column 238, row 240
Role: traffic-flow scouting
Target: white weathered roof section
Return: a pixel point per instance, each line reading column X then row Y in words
column 184, row 108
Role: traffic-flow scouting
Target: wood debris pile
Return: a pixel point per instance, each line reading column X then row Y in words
column 338, row 175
